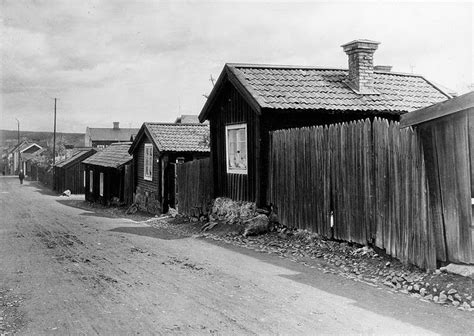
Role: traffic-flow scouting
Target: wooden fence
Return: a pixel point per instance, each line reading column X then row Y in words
column 42, row 174
column 193, row 187
column 361, row 182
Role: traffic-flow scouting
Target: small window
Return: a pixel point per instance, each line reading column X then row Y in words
column 148, row 164
column 101, row 184
column 236, row 145
column 91, row 180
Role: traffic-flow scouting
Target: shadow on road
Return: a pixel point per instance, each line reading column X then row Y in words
column 149, row 232
column 98, row 210
column 43, row 190
column 381, row 300
column 81, row 204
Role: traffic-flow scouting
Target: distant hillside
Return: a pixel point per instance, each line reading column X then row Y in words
column 8, row 137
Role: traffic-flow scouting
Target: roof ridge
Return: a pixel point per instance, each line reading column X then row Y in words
column 310, row 67
column 280, row 66
column 114, row 129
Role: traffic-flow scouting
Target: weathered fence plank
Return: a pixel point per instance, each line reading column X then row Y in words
column 194, row 187
column 368, row 176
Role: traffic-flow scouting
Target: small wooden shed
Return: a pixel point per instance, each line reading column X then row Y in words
column 69, row 173
column 109, row 175
column 156, row 150
column 447, row 132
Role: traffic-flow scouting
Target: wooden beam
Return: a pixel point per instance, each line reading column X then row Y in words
column 439, row 110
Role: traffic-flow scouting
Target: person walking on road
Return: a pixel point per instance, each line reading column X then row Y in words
column 21, row 176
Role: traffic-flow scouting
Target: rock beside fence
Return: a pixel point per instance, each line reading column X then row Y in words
column 256, row 225
column 232, row 212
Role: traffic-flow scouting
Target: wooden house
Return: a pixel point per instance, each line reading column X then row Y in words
column 248, row 101
column 103, row 137
column 18, row 154
column 447, row 133
column 109, row 175
column 69, row 174
column 156, row 150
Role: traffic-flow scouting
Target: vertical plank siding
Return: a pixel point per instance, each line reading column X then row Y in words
column 194, row 187
column 369, row 177
column 233, row 109
column 154, row 186
column 449, row 151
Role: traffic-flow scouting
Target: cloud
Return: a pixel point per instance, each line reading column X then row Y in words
column 134, row 61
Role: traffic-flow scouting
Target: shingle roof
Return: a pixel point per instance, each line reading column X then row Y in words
column 29, row 156
column 318, row 88
column 110, row 134
column 179, row 137
column 83, row 153
column 113, row 156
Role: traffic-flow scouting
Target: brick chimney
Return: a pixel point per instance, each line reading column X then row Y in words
column 361, row 65
column 116, row 125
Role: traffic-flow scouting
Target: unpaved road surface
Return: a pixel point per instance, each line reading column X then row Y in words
column 67, row 271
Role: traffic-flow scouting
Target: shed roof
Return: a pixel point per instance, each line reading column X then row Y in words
column 110, row 134
column 169, row 137
column 29, row 156
column 457, row 104
column 76, row 157
column 317, row 88
column 113, row 156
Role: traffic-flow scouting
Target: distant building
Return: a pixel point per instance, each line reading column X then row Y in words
column 70, row 173
column 16, row 156
column 108, row 175
column 156, row 150
column 104, row 137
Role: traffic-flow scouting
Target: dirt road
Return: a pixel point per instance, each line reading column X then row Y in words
column 64, row 271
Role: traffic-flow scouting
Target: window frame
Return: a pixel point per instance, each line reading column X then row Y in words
column 101, row 184
column 231, row 170
column 148, row 177
column 91, row 181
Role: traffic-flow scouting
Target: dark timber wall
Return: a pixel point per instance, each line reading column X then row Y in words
column 230, row 109
column 449, row 152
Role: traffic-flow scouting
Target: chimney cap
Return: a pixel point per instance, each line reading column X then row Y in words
column 383, row 68
column 359, row 44
column 116, row 125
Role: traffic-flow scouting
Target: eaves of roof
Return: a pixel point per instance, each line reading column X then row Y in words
column 451, row 106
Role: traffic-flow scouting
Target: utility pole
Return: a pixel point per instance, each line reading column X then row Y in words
column 54, row 146
column 18, row 147
column 18, row 122
column 54, row 134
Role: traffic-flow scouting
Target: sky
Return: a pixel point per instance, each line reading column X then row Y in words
column 135, row 61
